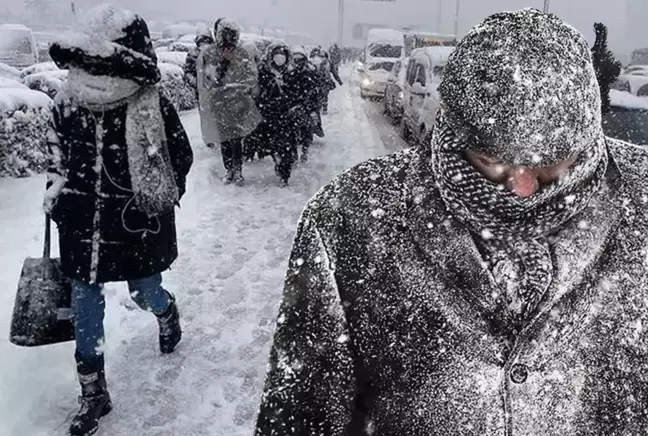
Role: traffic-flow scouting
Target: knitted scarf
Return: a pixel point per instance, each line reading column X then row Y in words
column 505, row 222
column 149, row 164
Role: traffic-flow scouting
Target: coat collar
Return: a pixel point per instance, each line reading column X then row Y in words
column 449, row 245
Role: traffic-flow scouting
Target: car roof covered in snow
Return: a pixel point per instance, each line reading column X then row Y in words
column 12, row 99
column 627, row 100
column 385, row 36
column 435, row 55
column 14, row 27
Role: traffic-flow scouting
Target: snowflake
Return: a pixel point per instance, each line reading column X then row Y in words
column 486, row 234
column 342, row 339
column 299, row 261
column 570, row 199
column 377, row 213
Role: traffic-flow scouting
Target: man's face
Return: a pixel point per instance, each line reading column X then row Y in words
column 522, row 181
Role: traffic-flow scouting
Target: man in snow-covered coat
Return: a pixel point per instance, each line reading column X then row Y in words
column 319, row 58
column 493, row 285
column 203, row 39
column 303, row 82
column 227, row 82
column 119, row 160
column 275, row 102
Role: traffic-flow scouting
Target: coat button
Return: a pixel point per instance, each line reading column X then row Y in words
column 519, row 373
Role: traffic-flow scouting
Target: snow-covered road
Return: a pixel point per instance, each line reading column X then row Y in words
column 234, row 245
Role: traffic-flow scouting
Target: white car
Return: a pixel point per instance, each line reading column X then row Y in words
column 374, row 77
column 17, row 46
column 420, row 94
column 627, row 119
column 634, row 80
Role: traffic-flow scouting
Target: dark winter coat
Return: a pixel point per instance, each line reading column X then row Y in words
column 275, row 96
column 103, row 238
column 304, row 83
column 387, row 324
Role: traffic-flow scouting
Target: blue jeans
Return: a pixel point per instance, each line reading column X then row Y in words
column 88, row 306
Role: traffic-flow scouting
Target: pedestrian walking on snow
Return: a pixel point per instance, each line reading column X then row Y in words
column 303, row 82
column 203, row 39
column 119, row 159
column 492, row 283
column 227, row 83
column 275, row 104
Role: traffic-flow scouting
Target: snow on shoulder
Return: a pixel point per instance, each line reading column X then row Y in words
column 12, row 99
column 627, row 100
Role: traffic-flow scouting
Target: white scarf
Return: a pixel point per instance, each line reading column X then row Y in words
column 92, row 91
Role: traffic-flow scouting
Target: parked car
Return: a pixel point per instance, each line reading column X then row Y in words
column 420, row 96
column 394, row 92
column 633, row 79
column 627, row 119
column 17, row 46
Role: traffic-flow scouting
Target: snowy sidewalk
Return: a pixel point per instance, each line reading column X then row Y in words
column 234, row 244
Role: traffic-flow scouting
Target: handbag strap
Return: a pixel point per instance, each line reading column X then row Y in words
column 47, row 246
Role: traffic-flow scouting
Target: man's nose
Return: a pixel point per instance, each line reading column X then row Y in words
column 522, row 181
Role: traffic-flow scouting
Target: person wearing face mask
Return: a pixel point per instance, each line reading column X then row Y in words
column 227, row 83
column 491, row 283
column 303, row 81
column 275, row 104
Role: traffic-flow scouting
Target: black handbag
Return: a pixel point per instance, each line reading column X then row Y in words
column 43, row 307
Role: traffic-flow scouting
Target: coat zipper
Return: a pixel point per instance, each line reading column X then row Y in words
column 96, row 220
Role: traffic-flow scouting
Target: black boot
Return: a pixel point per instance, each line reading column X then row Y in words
column 170, row 331
column 94, row 400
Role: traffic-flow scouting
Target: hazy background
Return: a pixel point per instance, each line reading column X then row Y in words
column 626, row 19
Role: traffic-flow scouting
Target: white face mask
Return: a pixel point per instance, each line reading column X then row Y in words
column 279, row 60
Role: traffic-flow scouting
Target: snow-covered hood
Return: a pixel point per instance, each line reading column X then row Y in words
column 521, row 87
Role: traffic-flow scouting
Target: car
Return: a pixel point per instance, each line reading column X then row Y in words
column 17, row 46
column 373, row 78
column 633, row 80
column 420, row 95
column 627, row 119
column 393, row 100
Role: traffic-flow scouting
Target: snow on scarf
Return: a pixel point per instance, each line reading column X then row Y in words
column 149, row 164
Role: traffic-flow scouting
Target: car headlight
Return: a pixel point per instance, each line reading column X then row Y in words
column 401, row 95
column 366, row 82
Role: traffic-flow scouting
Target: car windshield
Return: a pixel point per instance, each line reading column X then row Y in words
column 387, row 66
column 385, row 51
column 14, row 41
column 626, row 124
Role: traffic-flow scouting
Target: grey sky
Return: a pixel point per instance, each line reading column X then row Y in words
column 626, row 19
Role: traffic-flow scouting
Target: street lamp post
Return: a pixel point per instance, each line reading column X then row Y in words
column 340, row 37
column 456, row 20
column 546, row 6
column 439, row 13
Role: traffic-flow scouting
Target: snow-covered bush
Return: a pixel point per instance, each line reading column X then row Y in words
column 9, row 72
column 24, row 116
column 49, row 82
column 172, row 57
column 11, row 83
column 38, row 68
column 181, row 46
column 175, row 88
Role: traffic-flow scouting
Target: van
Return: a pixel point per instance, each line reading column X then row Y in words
column 383, row 48
column 17, row 46
column 420, row 95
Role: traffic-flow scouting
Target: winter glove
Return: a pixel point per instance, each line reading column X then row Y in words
column 52, row 193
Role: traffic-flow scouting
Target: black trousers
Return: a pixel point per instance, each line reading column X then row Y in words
column 232, row 152
column 282, row 143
